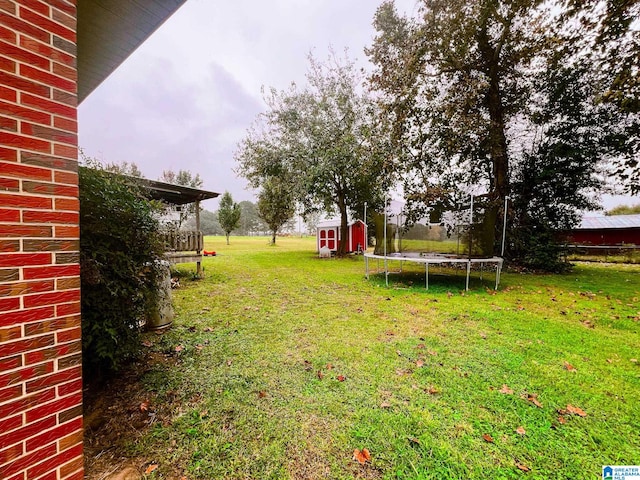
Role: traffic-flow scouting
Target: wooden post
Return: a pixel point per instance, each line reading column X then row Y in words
column 198, row 246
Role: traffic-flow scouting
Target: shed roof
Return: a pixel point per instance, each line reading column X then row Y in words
column 334, row 222
column 610, row 222
column 111, row 30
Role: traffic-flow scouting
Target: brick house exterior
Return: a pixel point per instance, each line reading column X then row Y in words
column 40, row 322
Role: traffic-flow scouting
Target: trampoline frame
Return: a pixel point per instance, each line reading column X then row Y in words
column 439, row 259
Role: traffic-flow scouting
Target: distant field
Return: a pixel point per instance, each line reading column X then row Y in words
column 280, row 365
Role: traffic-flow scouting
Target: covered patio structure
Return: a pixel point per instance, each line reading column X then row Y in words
column 183, row 246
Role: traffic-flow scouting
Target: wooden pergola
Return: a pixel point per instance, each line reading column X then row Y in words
column 183, row 246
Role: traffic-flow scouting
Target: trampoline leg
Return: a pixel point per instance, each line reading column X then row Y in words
column 468, row 274
column 498, row 270
column 481, row 269
column 366, row 267
column 426, row 276
column 386, row 272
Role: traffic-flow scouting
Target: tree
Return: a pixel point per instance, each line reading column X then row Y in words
column 186, row 179
column 124, row 168
column 323, row 141
column 486, row 96
column 209, row 224
column 250, row 221
column 450, row 84
column 276, row 205
column 608, row 32
column 624, row 210
column 228, row 214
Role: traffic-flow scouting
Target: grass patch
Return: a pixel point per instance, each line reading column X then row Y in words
column 287, row 363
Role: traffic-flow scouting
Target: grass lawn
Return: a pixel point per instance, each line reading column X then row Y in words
column 279, row 365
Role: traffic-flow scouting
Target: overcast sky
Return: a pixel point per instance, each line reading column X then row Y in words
column 186, row 97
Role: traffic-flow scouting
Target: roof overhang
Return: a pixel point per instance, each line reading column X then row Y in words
column 175, row 194
column 110, row 30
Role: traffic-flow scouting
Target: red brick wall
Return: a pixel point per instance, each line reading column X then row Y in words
column 40, row 357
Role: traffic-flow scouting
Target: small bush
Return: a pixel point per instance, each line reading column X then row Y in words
column 119, row 244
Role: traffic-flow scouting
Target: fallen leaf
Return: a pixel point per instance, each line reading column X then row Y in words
column 634, row 360
column 562, row 420
column 199, row 347
column 307, row 365
column 208, row 329
column 341, row 378
column 178, row 348
column 146, row 343
column 533, row 398
column 151, row 468
column 262, row 394
column 521, row 431
column 569, row 367
column 320, row 374
column 487, row 437
column 389, row 333
column 449, row 294
column 420, row 345
column 609, row 360
column 329, row 366
column 385, row 405
column 399, row 353
column 419, row 363
column 362, row 456
column 522, row 467
column 506, row 390
column 144, row 406
column 576, row 411
column 432, row 352
column 414, row 440
column 432, row 390
column 483, row 335
column 229, row 363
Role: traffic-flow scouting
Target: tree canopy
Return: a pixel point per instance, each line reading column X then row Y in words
column 324, row 143
column 624, row 210
column 489, row 97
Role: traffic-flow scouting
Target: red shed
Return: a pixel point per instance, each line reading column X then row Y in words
column 328, row 235
column 610, row 230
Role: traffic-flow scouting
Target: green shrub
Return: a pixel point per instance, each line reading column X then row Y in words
column 119, row 243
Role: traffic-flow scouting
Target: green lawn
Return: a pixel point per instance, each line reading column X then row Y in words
column 280, row 364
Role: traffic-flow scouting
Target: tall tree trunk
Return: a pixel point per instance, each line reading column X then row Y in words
column 498, row 142
column 499, row 182
column 273, row 238
column 227, row 234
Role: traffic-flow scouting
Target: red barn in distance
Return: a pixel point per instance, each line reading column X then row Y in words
column 328, row 235
column 607, row 231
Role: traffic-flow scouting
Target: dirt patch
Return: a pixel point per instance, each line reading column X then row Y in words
column 116, row 414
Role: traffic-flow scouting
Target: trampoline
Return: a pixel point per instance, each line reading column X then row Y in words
column 458, row 239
